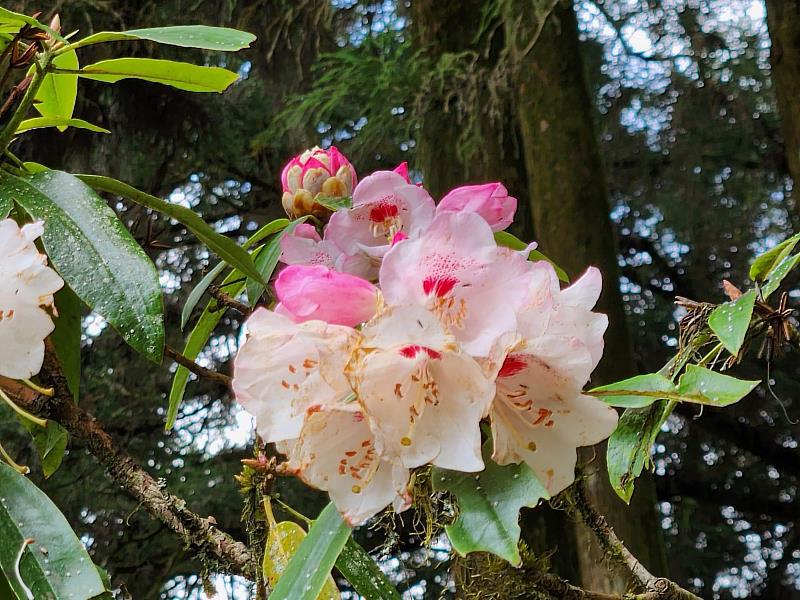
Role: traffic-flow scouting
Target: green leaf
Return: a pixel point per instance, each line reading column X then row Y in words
column 629, row 446
column 199, row 290
column 764, row 263
column 15, row 21
column 364, row 574
column 57, row 565
column 635, row 392
column 310, row 566
column 283, row 541
column 508, row 240
column 6, row 204
column 67, row 337
column 779, row 273
column 334, row 204
column 61, row 122
column 489, row 504
column 50, row 441
column 233, row 285
column 185, row 36
column 730, row 321
column 703, row 386
column 95, row 254
column 270, row 228
column 181, row 75
column 58, row 92
column 267, row 260
column 224, row 247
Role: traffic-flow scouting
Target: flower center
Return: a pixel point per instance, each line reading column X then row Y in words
column 439, row 286
column 513, row 364
column 412, row 350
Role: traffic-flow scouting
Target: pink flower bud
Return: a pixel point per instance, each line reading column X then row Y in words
column 312, row 174
column 402, row 170
column 315, row 292
column 489, row 200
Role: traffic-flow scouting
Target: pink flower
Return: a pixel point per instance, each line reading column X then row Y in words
column 539, row 414
column 303, row 246
column 490, row 200
column 402, row 170
column 315, row 292
column 383, row 205
column 315, row 172
column 456, row 270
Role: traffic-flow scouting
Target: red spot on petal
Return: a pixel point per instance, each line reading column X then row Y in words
column 313, row 409
column 412, row 350
column 382, row 211
column 544, row 414
column 513, row 364
column 440, row 286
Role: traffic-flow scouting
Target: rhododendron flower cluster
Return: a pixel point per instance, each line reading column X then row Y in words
column 27, row 286
column 400, row 327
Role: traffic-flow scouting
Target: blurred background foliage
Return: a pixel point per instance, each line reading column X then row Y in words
column 697, row 153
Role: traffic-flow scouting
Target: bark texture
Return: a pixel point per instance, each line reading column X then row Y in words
column 570, row 208
column 783, row 19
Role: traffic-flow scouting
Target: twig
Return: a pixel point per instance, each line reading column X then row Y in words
column 209, row 374
column 199, row 533
column 227, row 300
column 662, row 588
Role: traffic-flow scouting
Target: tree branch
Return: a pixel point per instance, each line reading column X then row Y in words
column 662, row 588
column 199, row 533
column 225, row 299
column 209, row 374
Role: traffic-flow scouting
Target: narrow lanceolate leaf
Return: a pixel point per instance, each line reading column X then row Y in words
column 703, row 386
column 364, row 574
column 58, row 92
column 222, row 246
column 283, row 541
column 16, row 20
column 730, row 321
column 181, row 75
column 233, row 285
column 489, row 503
column 198, row 291
column 95, row 254
column 50, row 441
column 779, row 273
column 311, row 565
column 635, row 392
column 334, row 203
column 187, row 36
column 764, row 263
column 66, row 337
column 629, row 446
column 266, row 261
column 56, row 566
column 509, row 240
column 61, row 122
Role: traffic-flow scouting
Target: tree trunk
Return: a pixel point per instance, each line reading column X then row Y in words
column 570, row 207
column 450, row 28
column 783, row 19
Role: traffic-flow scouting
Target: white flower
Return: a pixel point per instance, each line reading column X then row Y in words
column 539, row 414
column 339, row 453
column 27, row 286
column 283, row 368
column 424, row 395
